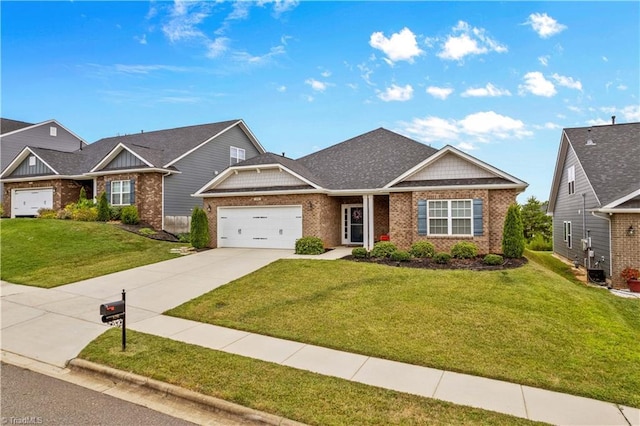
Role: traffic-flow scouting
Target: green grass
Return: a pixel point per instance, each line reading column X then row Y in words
column 546, row 259
column 48, row 253
column 526, row 325
column 295, row 394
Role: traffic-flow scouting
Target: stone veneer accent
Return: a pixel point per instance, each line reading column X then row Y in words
column 625, row 249
column 65, row 192
column 148, row 194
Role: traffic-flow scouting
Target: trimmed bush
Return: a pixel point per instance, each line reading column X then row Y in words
column 422, row 249
column 129, row 215
column 383, row 249
column 83, row 195
column 540, row 243
column 199, row 228
column 47, row 214
column 85, row 214
column 115, row 212
column 104, row 213
column 184, row 238
column 400, row 256
column 359, row 252
column 513, row 234
column 442, row 258
column 464, row 250
column 309, row 245
column 493, row 259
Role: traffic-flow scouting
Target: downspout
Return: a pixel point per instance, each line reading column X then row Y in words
column 606, row 217
column 162, row 206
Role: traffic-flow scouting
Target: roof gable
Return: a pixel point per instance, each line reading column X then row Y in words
column 13, row 127
column 9, row 126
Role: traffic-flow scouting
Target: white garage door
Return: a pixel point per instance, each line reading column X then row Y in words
column 27, row 202
column 259, row 227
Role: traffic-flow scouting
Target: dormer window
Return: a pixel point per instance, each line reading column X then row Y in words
column 237, row 155
column 53, row 131
column 571, row 179
column 32, row 160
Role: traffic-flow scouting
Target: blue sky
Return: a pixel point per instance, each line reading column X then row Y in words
column 497, row 80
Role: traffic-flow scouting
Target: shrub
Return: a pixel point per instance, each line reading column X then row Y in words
column 422, row 249
column 493, row 259
column 540, row 243
column 383, row 249
column 64, row 214
column 47, row 214
column 104, row 214
column 359, row 252
column 513, row 233
column 83, row 195
column 400, row 256
column 129, row 215
column 115, row 212
column 85, row 214
column 309, row 245
column 464, row 250
column 442, row 258
column 199, row 228
column 184, row 238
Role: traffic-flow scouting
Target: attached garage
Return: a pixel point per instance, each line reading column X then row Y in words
column 27, row 202
column 259, row 227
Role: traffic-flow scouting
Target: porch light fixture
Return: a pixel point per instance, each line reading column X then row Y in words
column 209, row 208
column 631, row 231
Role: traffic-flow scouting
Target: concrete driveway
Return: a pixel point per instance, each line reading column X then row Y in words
column 54, row 325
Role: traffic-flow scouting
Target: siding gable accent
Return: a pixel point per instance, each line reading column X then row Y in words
column 114, row 153
column 477, row 218
column 450, row 166
column 38, row 169
column 259, row 179
column 125, row 159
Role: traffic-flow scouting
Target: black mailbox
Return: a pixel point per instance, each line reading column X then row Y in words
column 113, row 308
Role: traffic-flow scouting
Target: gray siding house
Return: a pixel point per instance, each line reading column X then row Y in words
column 595, row 198
column 16, row 135
column 156, row 171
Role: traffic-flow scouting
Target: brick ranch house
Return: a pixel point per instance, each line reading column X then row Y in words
column 155, row 171
column 595, row 198
column 353, row 193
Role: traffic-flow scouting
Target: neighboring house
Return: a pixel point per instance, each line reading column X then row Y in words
column 378, row 183
column 16, row 135
column 156, row 171
column 595, row 197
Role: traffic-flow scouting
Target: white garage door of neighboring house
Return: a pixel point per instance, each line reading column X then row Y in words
column 27, row 202
column 259, row 227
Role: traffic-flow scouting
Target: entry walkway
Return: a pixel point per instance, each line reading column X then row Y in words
column 54, row 325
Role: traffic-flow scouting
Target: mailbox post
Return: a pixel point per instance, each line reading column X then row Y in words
column 116, row 311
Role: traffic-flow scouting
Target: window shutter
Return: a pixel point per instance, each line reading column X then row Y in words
column 422, row 217
column 132, row 191
column 107, row 189
column 477, row 217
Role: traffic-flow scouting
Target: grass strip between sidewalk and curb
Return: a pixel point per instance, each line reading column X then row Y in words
column 282, row 391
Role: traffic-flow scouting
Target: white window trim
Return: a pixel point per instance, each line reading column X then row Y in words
column 120, row 193
column 238, row 158
column 450, row 219
column 53, row 131
column 571, row 179
column 567, row 233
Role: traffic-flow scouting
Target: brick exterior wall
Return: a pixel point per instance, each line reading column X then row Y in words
column 64, row 192
column 625, row 249
column 148, row 194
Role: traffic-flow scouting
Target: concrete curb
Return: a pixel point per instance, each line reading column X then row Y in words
column 244, row 413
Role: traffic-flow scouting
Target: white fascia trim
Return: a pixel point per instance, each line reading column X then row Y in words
column 119, row 171
column 561, row 158
column 46, row 177
column 258, row 193
column 454, row 187
column 114, row 153
column 24, row 154
column 622, row 199
column 229, row 171
column 449, row 149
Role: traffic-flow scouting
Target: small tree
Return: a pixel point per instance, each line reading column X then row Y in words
column 199, row 228
column 83, row 195
column 535, row 220
column 104, row 212
column 513, row 234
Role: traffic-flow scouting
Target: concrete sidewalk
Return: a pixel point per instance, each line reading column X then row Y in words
column 54, row 325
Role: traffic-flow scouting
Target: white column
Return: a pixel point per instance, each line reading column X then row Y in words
column 365, row 222
column 369, row 237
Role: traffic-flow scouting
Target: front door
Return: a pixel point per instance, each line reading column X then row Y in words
column 352, row 224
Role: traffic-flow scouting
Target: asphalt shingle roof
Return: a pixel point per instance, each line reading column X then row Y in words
column 7, row 125
column 65, row 163
column 612, row 162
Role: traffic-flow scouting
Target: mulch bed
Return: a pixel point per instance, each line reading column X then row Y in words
column 158, row 235
column 475, row 264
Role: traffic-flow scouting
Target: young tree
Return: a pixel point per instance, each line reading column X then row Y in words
column 199, row 228
column 535, row 220
column 104, row 212
column 513, row 234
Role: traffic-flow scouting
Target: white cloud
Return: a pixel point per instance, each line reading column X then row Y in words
column 622, row 87
column 466, row 40
column 146, row 69
column 548, row 125
column 217, row 47
column 477, row 127
column 544, row 25
column 259, row 59
column 489, row 90
column 281, row 89
column 631, row 113
column 366, row 73
column 574, row 109
column 318, row 86
column 536, row 84
column 326, row 74
column 598, row 122
column 605, row 59
column 397, row 93
column 567, row 82
column 185, row 17
column 439, row 92
column 401, row 46
column 544, row 60
column 280, row 6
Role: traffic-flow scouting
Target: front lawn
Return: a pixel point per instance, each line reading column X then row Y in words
column 285, row 391
column 526, row 325
column 48, row 253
